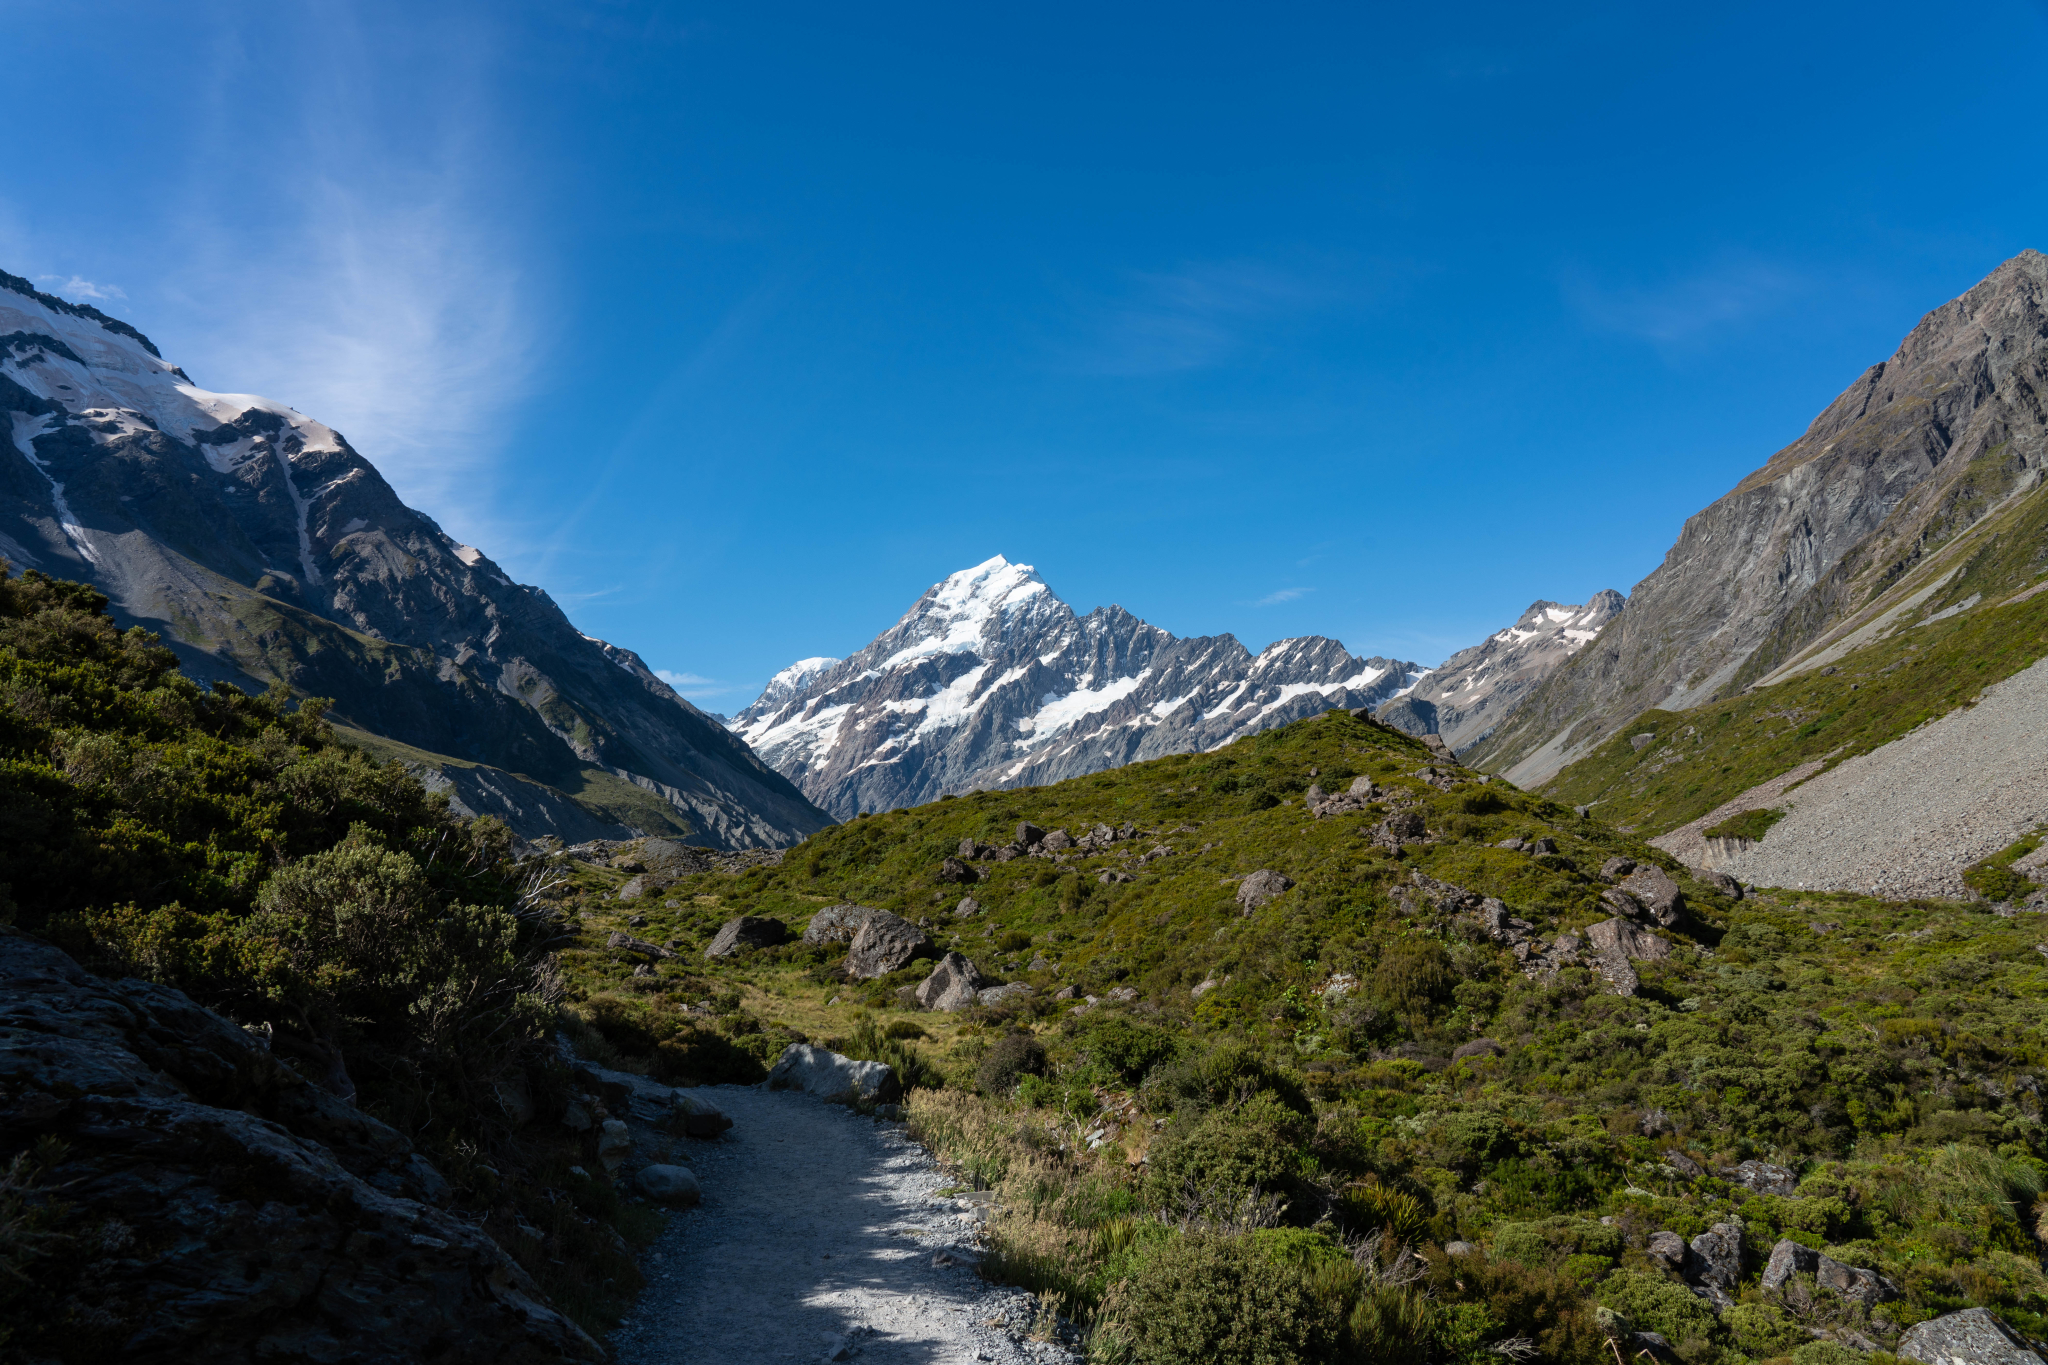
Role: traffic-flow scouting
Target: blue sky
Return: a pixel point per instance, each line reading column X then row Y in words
column 736, row 326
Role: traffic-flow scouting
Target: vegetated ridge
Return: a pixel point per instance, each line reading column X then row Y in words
column 989, row 680
column 1317, row 1048
column 263, row 548
column 1922, row 450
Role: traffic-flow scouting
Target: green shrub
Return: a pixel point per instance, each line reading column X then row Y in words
column 1655, row 1304
column 1212, row 1300
column 1544, row 1244
column 1126, row 1049
column 1762, row 1329
column 1255, row 1146
column 1298, row 1247
column 1015, row 1055
column 1204, row 1080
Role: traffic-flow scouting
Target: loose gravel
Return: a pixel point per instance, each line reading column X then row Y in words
column 822, row 1236
column 1907, row 819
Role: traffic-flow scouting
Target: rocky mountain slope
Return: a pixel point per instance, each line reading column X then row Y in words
column 1949, row 431
column 265, row 549
column 991, row 681
column 1471, row 692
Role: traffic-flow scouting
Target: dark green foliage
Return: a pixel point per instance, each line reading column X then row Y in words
column 1258, row 1146
column 1994, row 879
column 1125, row 1049
column 1207, row 1300
column 1014, row 1056
column 1749, row 824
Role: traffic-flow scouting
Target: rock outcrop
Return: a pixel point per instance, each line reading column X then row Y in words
column 248, row 1215
column 1261, row 887
column 991, row 681
column 263, row 548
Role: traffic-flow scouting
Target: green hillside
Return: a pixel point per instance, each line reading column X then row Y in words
column 1252, row 1137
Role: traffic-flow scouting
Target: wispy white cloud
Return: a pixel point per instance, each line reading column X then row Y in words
column 1274, row 599
column 1690, row 307
column 76, row 288
column 693, row 686
column 1189, row 319
column 370, row 283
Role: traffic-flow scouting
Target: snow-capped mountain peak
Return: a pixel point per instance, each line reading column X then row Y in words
column 990, row 680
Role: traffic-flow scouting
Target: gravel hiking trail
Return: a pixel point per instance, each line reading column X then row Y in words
column 822, row 1236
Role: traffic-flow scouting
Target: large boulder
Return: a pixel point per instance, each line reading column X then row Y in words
column 955, row 871
column 666, row 1184
column 1763, row 1178
column 829, row 1076
column 951, row 986
column 996, row 995
column 648, row 1101
column 1627, row 940
column 746, row 933
column 838, row 923
column 885, row 943
column 1715, row 1265
column 262, row 1218
column 1975, row 1336
column 1659, row 896
column 1262, row 886
column 1788, row 1258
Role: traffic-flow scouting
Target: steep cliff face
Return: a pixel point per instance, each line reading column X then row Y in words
column 992, row 681
column 264, row 549
column 1913, row 454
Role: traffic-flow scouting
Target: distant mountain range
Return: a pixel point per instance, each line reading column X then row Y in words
column 1477, row 688
column 990, row 680
column 265, row 550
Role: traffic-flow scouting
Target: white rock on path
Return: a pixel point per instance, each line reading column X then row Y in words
column 829, row 1076
column 669, row 1184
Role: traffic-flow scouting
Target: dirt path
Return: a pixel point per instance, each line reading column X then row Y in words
column 821, row 1237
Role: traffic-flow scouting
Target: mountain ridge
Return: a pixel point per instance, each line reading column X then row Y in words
column 1009, row 686
column 265, row 549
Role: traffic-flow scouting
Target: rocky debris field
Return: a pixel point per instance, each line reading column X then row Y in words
column 1908, row 819
column 823, row 1235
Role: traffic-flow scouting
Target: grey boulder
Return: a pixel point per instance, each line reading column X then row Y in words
column 1975, row 1336
column 884, row 944
column 1763, row 1178
column 829, row 1076
column 955, row 871
column 1669, row 1248
column 1659, row 895
column 737, row 936
column 669, row 1185
column 1261, row 887
column 1788, row 1258
column 1715, row 1266
column 953, row 984
column 838, row 923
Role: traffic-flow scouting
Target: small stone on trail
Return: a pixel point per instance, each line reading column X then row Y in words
column 669, row 1184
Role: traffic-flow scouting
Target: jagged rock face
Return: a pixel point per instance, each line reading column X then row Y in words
column 1473, row 690
column 1912, row 455
column 991, row 681
column 262, row 547
column 244, row 1215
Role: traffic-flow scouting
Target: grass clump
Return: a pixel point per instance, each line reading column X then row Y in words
column 1749, row 824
